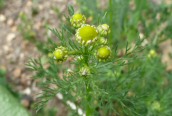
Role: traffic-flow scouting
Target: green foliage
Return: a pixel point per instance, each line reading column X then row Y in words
column 129, row 84
column 9, row 105
column 2, row 4
column 2, row 77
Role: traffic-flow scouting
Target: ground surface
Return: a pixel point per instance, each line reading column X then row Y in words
column 15, row 51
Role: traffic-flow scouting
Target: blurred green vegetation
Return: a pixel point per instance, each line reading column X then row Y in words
column 2, row 4
column 9, row 102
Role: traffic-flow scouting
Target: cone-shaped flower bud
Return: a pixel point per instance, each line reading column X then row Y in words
column 103, row 29
column 60, row 54
column 77, row 20
column 152, row 54
column 103, row 53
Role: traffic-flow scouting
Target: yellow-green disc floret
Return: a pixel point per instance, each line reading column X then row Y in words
column 86, row 34
column 77, row 20
column 103, row 29
column 103, row 53
column 60, row 54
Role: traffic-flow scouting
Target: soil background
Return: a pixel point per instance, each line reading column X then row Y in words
column 15, row 51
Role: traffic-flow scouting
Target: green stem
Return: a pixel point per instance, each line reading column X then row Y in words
column 86, row 55
column 74, row 53
column 89, row 109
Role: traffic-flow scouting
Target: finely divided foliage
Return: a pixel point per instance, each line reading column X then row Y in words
column 90, row 70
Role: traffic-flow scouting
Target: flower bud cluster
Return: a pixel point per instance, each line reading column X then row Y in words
column 88, row 36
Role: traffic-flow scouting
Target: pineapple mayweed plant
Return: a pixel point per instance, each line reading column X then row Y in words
column 98, row 78
column 91, row 57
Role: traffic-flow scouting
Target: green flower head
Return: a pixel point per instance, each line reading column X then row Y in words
column 156, row 106
column 60, row 54
column 77, row 20
column 152, row 54
column 86, row 35
column 103, row 29
column 103, row 53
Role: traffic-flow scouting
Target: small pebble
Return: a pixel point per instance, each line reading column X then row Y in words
column 14, row 28
column 10, row 37
column 27, row 91
column 2, row 18
column 10, row 22
column 25, row 103
column 17, row 72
